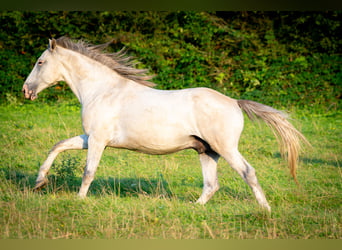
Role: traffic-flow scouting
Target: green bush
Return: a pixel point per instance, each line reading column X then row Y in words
column 14, row 68
column 279, row 58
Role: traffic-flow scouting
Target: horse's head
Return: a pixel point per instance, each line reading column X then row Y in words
column 44, row 74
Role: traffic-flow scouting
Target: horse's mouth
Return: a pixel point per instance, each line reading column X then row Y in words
column 29, row 94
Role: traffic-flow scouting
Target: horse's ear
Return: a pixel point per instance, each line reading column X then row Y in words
column 52, row 44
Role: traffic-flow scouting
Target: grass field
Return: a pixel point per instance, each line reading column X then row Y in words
column 137, row 196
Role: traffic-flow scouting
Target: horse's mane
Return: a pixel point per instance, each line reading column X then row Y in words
column 119, row 62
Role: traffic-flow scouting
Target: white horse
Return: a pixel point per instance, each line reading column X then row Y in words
column 121, row 110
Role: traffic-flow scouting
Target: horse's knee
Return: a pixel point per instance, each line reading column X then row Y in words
column 88, row 177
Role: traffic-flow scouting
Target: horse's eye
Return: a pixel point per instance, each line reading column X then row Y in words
column 40, row 62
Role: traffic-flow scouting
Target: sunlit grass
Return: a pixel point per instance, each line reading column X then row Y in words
column 140, row 196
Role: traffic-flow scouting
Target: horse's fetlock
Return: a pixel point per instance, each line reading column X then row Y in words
column 40, row 183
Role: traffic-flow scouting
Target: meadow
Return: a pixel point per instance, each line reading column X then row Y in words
column 137, row 196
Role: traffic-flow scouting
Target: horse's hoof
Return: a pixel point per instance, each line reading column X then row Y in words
column 40, row 184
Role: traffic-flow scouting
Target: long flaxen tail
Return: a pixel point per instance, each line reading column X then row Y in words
column 289, row 138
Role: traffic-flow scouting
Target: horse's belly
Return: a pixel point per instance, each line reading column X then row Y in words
column 154, row 145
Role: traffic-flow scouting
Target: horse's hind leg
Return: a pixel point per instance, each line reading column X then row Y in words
column 247, row 172
column 209, row 171
column 78, row 142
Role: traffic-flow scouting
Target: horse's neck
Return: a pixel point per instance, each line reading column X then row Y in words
column 87, row 78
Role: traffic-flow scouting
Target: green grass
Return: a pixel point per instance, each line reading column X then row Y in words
column 136, row 196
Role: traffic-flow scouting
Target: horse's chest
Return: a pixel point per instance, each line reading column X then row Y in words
column 99, row 121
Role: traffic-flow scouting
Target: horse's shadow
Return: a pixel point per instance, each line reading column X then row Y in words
column 128, row 187
column 123, row 187
column 104, row 186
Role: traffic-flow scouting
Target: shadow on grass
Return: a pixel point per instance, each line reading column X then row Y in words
column 121, row 187
column 314, row 161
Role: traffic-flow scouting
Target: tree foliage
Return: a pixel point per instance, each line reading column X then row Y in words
column 279, row 58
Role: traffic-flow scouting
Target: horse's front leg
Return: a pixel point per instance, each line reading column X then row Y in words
column 77, row 142
column 95, row 150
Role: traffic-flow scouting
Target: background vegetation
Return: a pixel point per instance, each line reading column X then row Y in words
column 282, row 58
column 289, row 60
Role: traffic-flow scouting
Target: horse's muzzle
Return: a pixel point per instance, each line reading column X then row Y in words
column 29, row 94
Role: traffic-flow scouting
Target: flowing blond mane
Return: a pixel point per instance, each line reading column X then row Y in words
column 119, row 62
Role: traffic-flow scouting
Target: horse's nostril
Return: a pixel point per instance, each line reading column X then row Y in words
column 26, row 92
column 24, row 88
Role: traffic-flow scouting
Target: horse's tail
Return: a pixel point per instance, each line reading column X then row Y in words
column 290, row 137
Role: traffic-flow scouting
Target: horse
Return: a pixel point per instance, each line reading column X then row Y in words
column 121, row 109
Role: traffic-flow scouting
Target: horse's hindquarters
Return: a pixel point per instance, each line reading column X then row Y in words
column 219, row 119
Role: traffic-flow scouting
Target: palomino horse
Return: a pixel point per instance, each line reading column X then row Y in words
column 121, row 110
